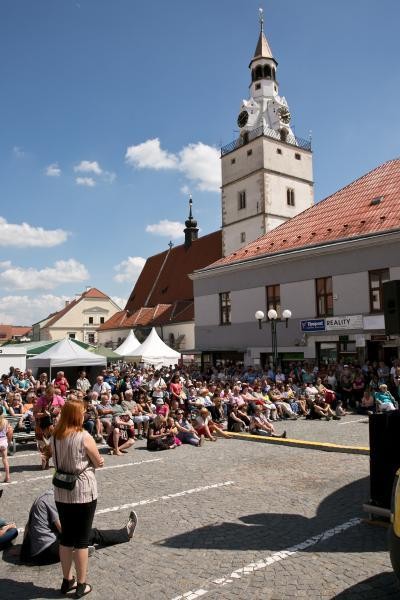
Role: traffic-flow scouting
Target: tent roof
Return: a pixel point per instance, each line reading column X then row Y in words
column 66, row 353
column 128, row 346
column 104, row 351
column 155, row 352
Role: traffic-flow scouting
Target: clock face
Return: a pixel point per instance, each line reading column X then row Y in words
column 243, row 118
column 284, row 115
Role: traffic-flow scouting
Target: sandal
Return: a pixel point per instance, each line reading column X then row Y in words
column 68, row 585
column 82, row 589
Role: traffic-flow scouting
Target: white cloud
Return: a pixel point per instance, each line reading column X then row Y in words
column 150, row 155
column 201, row 163
column 185, row 190
column 87, row 166
column 198, row 162
column 129, row 269
column 121, row 302
column 171, row 229
column 26, row 310
column 53, row 170
column 23, row 235
column 63, row 271
column 86, row 181
column 18, row 152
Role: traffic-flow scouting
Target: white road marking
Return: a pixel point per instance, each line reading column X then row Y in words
column 121, row 466
column 167, row 497
column 16, row 455
column 269, row 560
column 354, row 421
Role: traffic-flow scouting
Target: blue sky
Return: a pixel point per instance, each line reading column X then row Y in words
column 84, row 81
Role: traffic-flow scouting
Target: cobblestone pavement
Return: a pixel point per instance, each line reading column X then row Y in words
column 233, row 519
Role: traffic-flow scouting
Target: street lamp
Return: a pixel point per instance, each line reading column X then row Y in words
column 273, row 319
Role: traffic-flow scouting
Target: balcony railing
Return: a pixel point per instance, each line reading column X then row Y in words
column 270, row 133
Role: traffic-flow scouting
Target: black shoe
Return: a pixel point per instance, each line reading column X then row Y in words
column 82, row 589
column 68, row 585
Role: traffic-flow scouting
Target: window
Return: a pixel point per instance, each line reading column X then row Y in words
column 323, row 287
column 101, row 319
column 90, row 338
column 90, row 320
column 297, row 156
column 233, row 160
column 242, row 200
column 279, row 151
column 225, row 308
column 376, row 279
column 242, row 237
column 290, row 196
column 249, row 152
column 258, row 86
column 71, row 336
column 267, row 71
column 274, row 298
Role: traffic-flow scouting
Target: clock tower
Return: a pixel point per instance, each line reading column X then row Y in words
column 267, row 173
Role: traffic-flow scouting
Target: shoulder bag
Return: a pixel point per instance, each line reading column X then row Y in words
column 61, row 479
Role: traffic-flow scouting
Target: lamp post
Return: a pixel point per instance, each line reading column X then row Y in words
column 273, row 320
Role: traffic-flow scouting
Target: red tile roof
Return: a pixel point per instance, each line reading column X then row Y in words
column 154, row 316
column 165, row 276
column 352, row 212
column 94, row 293
column 8, row 332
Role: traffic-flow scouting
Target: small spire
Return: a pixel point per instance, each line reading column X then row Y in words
column 261, row 19
column 170, row 245
column 191, row 230
column 190, row 207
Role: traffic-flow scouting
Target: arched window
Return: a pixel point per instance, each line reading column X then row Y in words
column 259, row 72
column 253, row 75
column 273, row 73
column 267, row 71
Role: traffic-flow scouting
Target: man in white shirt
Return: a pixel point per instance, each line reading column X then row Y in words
column 101, row 386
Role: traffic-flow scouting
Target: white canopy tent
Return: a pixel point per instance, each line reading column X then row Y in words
column 66, row 353
column 155, row 352
column 128, row 346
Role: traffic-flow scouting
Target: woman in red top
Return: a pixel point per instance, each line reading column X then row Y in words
column 175, row 388
column 61, row 383
column 46, row 410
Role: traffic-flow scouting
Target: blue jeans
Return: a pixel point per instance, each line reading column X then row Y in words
column 8, row 536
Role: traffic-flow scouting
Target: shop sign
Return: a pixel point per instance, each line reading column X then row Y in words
column 313, row 325
column 347, row 322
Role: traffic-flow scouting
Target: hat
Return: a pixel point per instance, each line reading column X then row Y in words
column 159, row 401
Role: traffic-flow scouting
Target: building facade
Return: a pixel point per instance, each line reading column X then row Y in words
column 80, row 318
column 326, row 265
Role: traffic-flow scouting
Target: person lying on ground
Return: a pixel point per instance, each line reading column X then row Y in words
column 41, row 536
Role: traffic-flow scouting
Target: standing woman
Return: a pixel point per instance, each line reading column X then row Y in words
column 45, row 411
column 75, row 452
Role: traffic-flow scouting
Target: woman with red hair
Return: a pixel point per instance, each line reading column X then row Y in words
column 75, row 453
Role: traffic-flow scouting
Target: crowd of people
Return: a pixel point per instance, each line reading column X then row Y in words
column 170, row 406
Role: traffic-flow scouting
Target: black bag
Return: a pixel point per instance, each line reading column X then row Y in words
column 63, row 480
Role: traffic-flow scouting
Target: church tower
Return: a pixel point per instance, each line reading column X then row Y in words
column 191, row 230
column 267, row 175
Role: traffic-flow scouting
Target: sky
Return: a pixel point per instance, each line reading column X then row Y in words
column 113, row 111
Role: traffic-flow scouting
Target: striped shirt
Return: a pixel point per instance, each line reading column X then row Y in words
column 72, row 458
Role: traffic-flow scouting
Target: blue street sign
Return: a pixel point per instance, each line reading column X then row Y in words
column 313, row 325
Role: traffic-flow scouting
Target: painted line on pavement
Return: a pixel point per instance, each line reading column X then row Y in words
column 269, row 560
column 306, row 444
column 197, row 490
column 121, row 466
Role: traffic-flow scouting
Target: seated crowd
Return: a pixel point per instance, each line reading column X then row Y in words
column 171, row 407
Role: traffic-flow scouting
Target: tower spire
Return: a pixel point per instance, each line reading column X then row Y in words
column 191, row 230
column 261, row 19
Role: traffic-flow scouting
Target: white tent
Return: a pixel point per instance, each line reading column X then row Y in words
column 65, row 353
column 128, row 346
column 153, row 351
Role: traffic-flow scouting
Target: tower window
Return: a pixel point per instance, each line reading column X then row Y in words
column 273, row 74
column 233, row 160
column 242, row 200
column 290, row 196
column 279, row 151
column 242, row 237
column 249, row 152
column 267, row 71
column 258, row 86
column 259, row 72
column 297, row 156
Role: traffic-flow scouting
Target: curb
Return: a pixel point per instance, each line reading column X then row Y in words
column 310, row 445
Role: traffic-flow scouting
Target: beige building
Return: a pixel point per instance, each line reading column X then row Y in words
column 80, row 318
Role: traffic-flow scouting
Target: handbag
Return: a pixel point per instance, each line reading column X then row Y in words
column 61, row 479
